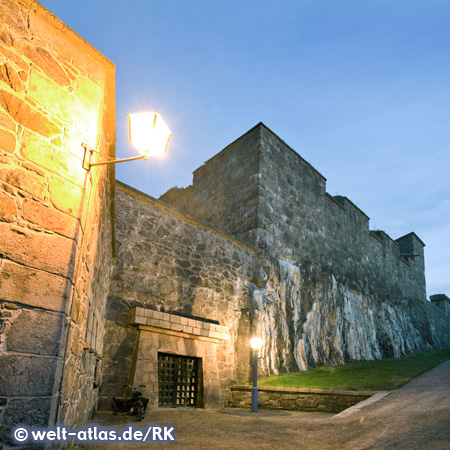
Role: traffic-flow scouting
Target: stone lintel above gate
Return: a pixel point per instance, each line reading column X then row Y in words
column 173, row 324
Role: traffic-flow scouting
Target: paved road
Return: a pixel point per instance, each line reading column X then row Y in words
column 416, row 416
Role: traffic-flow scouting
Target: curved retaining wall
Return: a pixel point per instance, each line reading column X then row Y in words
column 298, row 399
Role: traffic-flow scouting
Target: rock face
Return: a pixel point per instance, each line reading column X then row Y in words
column 308, row 318
column 258, row 245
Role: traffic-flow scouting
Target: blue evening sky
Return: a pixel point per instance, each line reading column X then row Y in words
column 360, row 89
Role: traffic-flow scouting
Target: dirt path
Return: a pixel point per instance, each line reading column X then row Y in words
column 416, row 416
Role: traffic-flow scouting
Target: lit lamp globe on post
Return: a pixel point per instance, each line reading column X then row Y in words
column 255, row 344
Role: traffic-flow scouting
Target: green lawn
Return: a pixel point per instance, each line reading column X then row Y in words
column 379, row 375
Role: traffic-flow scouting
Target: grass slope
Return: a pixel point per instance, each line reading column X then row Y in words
column 378, row 375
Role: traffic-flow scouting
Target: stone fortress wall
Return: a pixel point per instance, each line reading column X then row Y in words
column 329, row 289
column 258, row 245
column 262, row 191
column 56, row 91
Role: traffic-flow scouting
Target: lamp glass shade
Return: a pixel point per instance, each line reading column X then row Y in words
column 255, row 343
column 149, row 134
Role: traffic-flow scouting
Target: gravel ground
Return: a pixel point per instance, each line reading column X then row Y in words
column 416, row 416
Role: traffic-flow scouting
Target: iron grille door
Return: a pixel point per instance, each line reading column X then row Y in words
column 177, row 379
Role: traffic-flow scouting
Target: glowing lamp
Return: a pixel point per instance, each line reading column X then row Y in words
column 255, row 343
column 149, row 134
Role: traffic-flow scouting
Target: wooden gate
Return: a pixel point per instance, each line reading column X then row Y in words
column 178, row 380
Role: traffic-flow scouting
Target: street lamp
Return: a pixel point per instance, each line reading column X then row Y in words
column 149, row 134
column 255, row 344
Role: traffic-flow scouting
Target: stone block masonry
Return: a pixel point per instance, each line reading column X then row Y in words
column 177, row 324
column 56, row 92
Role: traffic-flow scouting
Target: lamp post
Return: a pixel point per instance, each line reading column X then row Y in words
column 149, row 134
column 255, row 344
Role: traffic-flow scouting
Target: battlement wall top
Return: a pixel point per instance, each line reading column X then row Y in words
column 262, row 191
column 344, row 201
column 256, row 131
